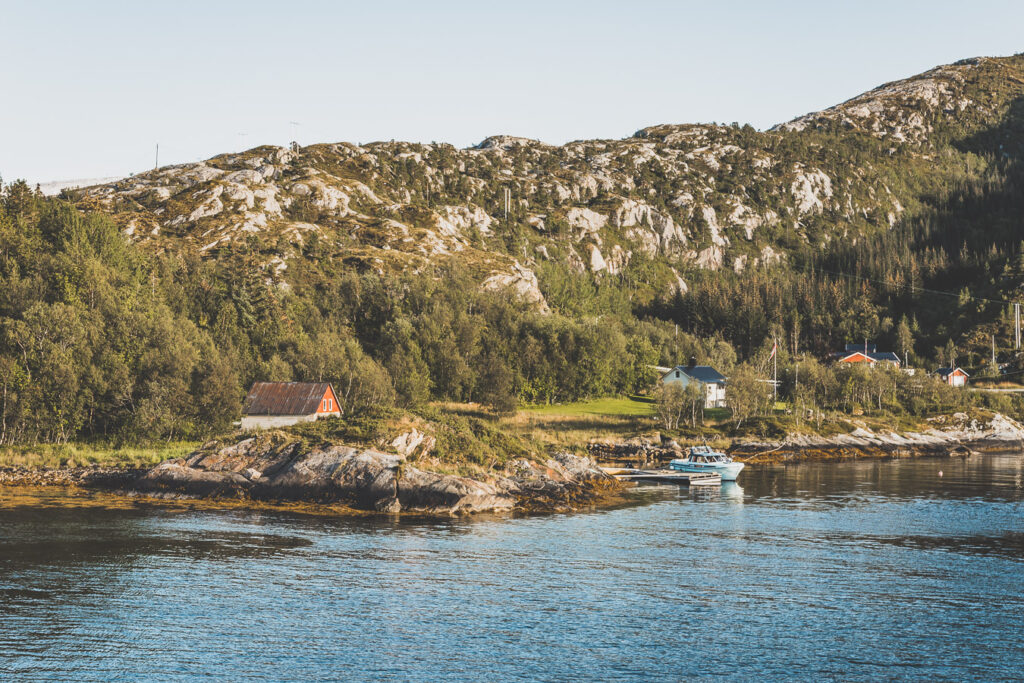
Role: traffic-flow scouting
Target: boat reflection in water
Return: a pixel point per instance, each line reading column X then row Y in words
column 732, row 491
column 729, row 492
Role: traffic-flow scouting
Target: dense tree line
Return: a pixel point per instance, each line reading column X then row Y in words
column 89, row 341
column 102, row 338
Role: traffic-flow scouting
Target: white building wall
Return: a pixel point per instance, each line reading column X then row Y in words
column 714, row 394
column 676, row 376
column 251, row 422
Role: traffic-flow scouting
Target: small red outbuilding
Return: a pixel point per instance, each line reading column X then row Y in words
column 278, row 404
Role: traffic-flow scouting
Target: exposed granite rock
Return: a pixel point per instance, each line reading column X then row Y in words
column 675, row 193
column 270, row 467
column 523, row 282
column 431, row 492
column 949, row 435
column 955, row 434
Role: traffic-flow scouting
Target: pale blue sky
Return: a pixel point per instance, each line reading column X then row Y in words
column 88, row 88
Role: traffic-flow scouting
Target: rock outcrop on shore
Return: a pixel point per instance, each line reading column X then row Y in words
column 945, row 435
column 956, row 434
column 270, row 467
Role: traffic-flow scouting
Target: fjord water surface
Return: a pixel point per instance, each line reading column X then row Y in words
column 855, row 571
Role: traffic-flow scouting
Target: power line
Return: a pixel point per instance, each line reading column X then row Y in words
column 911, row 288
column 938, row 292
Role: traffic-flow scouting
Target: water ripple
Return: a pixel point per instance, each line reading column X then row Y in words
column 846, row 571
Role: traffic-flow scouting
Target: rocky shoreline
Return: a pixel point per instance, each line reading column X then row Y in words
column 946, row 436
column 954, row 435
column 108, row 478
column 275, row 468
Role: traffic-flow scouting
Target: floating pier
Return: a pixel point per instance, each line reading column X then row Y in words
column 666, row 476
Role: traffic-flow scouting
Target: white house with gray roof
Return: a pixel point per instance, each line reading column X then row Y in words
column 709, row 379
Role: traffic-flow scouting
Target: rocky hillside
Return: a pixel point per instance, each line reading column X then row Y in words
column 960, row 97
column 687, row 197
column 517, row 272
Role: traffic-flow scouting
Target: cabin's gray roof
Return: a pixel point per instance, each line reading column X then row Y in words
column 946, row 372
column 284, row 398
column 702, row 373
column 885, row 355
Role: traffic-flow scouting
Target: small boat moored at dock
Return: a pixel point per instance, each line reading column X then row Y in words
column 700, row 459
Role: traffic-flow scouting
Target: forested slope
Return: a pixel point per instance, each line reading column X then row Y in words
column 517, row 271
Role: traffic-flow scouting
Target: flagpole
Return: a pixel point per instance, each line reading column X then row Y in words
column 775, row 362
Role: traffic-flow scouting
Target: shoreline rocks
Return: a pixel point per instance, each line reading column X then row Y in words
column 92, row 477
column 952, row 435
column 947, row 435
column 274, row 467
column 271, row 468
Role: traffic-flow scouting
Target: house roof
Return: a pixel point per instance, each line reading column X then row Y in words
column 946, row 372
column 284, row 398
column 702, row 373
column 874, row 357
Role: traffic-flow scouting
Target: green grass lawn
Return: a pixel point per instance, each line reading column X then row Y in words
column 716, row 414
column 633, row 406
column 83, row 454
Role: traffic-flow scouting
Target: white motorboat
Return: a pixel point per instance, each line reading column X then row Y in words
column 703, row 459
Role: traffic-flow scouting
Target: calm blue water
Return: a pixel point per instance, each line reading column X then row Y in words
column 853, row 571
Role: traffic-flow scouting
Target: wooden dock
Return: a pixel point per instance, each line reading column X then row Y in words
column 665, row 476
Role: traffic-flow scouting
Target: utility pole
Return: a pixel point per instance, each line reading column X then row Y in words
column 156, row 164
column 993, row 349
column 775, row 379
column 508, row 200
column 1016, row 317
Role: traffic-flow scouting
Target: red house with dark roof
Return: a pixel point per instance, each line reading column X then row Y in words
column 866, row 353
column 954, row 377
column 279, row 404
